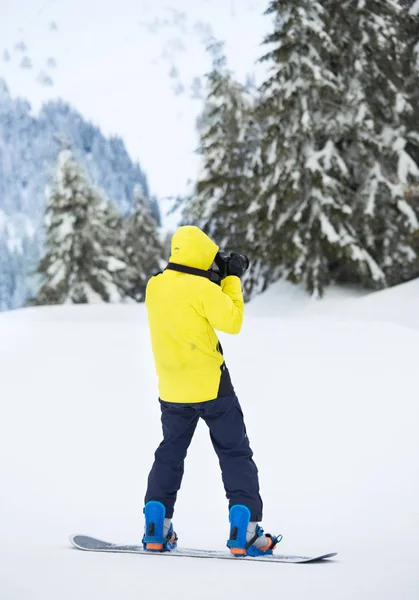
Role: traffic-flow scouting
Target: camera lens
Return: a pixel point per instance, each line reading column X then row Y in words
column 245, row 261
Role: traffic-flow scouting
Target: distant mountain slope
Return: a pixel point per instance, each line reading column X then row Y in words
column 28, row 149
column 143, row 76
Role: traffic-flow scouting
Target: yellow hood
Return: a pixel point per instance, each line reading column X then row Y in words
column 191, row 247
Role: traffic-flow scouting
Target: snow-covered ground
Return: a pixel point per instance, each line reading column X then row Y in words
column 398, row 304
column 330, row 399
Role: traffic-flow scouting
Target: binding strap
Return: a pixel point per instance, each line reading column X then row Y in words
column 211, row 275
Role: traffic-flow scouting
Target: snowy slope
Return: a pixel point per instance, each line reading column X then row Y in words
column 332, row 412
column 398, row 304
column 134, row 67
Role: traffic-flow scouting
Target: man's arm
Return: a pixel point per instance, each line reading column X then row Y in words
column 223, row 306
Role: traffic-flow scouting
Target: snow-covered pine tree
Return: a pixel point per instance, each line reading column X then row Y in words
column 412, row 194
column 376, row 114
column 225, row 188
column 409, row 34
column 28, row 143
column 142, row 244
column 306, row 191
column 84, row 261
column 124, row 273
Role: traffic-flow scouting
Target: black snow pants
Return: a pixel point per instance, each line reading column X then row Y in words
column 224, row 419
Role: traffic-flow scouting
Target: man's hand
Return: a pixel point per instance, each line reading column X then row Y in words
column 237, row 264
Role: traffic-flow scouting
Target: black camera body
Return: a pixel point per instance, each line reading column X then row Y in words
column 231, row 263
column 224, row 264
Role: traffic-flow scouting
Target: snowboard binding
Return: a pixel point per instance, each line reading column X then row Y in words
column 154, row 539
column 238, row 544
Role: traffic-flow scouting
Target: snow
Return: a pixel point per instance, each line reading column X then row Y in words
column 360, row 255
column 406, row 166
column 375, row 178
column 409, row 213
column 397, row 305
column 328, row 230
column 328, row 391
column 114, row 264
column 66, row 227
column 282, row 299
column 414, row 10
column 56, row 273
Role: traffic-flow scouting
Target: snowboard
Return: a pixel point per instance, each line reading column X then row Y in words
column 85, row 542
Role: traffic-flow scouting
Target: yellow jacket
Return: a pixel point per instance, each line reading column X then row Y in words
column 183, row 311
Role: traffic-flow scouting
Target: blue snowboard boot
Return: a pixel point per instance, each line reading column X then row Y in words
column 246, row 537
column 159, row 536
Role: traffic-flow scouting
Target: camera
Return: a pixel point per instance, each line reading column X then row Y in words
column 222, row 261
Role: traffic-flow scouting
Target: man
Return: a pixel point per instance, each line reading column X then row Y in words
column 199, row 291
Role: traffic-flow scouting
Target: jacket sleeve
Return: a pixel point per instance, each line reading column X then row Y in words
column 224, row 306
